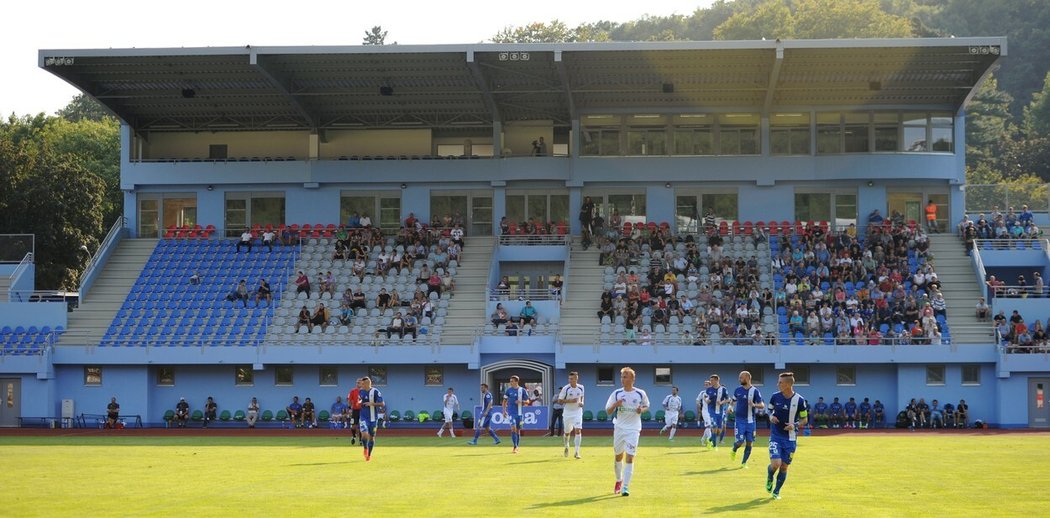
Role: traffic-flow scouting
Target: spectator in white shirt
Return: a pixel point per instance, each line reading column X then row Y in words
column 246, row 240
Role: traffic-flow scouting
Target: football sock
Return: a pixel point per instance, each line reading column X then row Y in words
column 736, row 445
column 493, row 434
column 664, row 429
column 514, row 438
column 619, row 470
column 477, row 433
column 441, row 431
column 747, row 453
column 371, row 444
column 628, row 470
column 781, row 477
column 578, row 439
column 769, row 474
column 566, row 441
column 673, row 430
column 722, row 435
column 707, row 435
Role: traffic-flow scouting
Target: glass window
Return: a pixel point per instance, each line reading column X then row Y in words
column 845, row 209
column 647, row 141
column 180, row 212
column 662, row 376
column 605, row 375
column 166, row 376
column 829, row 133
column 758, row 375
column 942, row 139
column 93, row 376
column 789, row 134
column 537, row 207
column 328, row 376
column 433, row 375
column 725, row 205
column 801, row 375
column 149, row 217
column 348, row 205
column 694, row 140
column 390, row 213
column 283, row 375
column 846, row 376
column 812, row 206
column 856, row 132
column 247, row 209
column 559, row 207
column 630, row 206
column 267, row 210
column 935, row 374
column 687, row 213
column 914, row 128
column 516, row 208
column 887, row 132
column 378, row 375
column 601, row 141
column 971, row 374
column 738, row 134
column 243, row 375
column 236, row 216
column 481, row 215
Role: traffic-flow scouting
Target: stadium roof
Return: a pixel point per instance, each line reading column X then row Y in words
column 231, row 88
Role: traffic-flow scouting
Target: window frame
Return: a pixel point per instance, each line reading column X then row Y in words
column 93, row 376
column 379, row 375
column 162, row 380
column 321, row 376
column 657, row 376
column 610, row 382
column 243, row 376
column 932, row 369
column 974, row 382
column 850, row 372
column 278, row 370
column 433, row 375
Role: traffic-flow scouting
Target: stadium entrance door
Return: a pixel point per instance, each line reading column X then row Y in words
column 11, row 405
column 1038, row 406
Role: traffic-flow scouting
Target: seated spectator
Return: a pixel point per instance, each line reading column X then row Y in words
column 112, row 413
column 924, row 413
column 246, row 240
column 195, row 279
column 322, row 283
column 512, row 329
column 295, row 412
column 308, row 418
column 239, row 293
column 365, row 222
column 253, row 413
column 434, row 284
column 878, row 412
column 358, row 301
column 268, row 238
column 289, row 237
column 339, row 414
column 302, row 284
column 354, row 221
column 499, row 316
column 182, row 413
column 320, row 318
column 836, row 414
column 962, row 413
column 330, row 283
column 410, row 326
column 605, row 308
column 646, row 337
column 346, row 313
column 304, row 320
column 983, row 309
column 397, row 325
column 210, row 409
column 503, row 286
column 936, row 416
column 448, row 284
column 358, row 268
column 263, row 292
column 850, row 409
column 527, row 314
column 383, row 299
column 865, row 414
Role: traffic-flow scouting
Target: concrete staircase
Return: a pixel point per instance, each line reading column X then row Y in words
column 88, row 323
column 466, row 311
column 579, row 312
column 960, row 289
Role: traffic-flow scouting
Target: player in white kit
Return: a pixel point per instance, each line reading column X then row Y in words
column 705, row 416
column 571, row 396
column 449, row 407
column 626, row 405
column 672, row 408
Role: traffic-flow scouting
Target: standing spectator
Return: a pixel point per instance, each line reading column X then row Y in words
column 209, row 411
column 263, row 292
column 246, row 240
column 295, row 412
column 555, row 287
column 366, row 222
column 586, row 216
column 182, row 412
column 268, row 237
column 253, row 412
column 302, row 284
column 112, row 413
column 931, row 217
column 1037, row 284
column 542, row 151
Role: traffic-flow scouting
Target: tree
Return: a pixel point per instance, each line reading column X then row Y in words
column 814, row 19
column 376, row 36
column 770, row 20
column 536, row 32
column 988, row 125
column 1037, row 113
column 83, row 107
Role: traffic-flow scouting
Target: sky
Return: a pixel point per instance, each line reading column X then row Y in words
column 67, row 24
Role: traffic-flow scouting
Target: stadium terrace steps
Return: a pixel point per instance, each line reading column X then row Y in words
column 88, row 323
column 960, row 289
column 579, row 313
column 467, row 311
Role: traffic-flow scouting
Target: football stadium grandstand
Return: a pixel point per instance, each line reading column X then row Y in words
column 436, row 216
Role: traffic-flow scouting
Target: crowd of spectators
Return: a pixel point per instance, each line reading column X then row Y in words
column 919, row 414
column 1017, row 336
column 997, row 225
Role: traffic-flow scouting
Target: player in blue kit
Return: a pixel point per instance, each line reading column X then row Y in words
column 865, row 414
column 717, row 397
column 371, row 406
column 788, row 413
column 747, row 398
column 485, row 417
column 837, row 415
column 851, row 413
column 513, row 408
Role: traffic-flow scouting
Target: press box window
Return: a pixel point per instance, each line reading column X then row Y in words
column 662, row 376
column 605, row 376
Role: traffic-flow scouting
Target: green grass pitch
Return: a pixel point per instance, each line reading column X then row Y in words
column 917, row 474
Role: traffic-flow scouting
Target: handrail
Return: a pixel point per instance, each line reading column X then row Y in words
column 1037, row 243
column 23, row 265
column 533, row 239
column 87, row 277
column 521, row 295
column 1015, row 291
column 38, row 295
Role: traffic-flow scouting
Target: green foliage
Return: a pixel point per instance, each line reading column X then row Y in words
column 536, row 32
column 83, row 107
column 987, row 189
column 988, row 126
column 1037, row 113
column 375, row 36
column 770, row 20
column 815, row 19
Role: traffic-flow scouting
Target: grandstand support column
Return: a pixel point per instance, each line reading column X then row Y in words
column 956, row 205
column 574, row 139
column 499, row 204
column 659, row 203
column 575, row 202
column 416, row 198
column 869, row 198
column 497, row 141
column 315, row 145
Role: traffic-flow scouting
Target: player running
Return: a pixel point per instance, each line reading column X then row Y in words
column 705, row 416
column 788, row 412
column 485, row 417
column 626, row 405
column 450, row 405
column 371, row 405
column 672, row 408
column 747, row 398
column 513, row 403
column 571, row 396
column 717, row 397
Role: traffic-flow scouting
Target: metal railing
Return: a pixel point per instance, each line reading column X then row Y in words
column 15, row 274
column 518, row 294
column 1012, row 244
column 535, row 240
column 984, row 198
column 93, row 267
